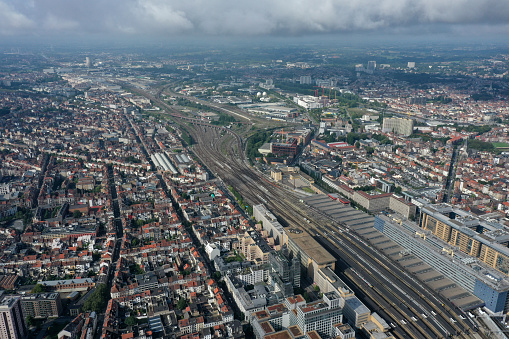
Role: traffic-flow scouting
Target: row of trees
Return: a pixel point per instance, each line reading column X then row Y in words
column 98, row 300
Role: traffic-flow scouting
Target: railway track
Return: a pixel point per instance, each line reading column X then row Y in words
column 226, row 159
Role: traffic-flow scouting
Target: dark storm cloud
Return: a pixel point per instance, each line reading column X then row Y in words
column 238, row 17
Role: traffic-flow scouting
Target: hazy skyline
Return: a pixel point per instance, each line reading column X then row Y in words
column 166, row 18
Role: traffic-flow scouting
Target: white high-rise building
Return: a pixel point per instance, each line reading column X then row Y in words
column 398, row 125
column 305, row 80
column 371, row 65
column 12, row 322
column 88, row 62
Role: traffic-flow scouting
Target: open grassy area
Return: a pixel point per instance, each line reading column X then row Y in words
column 357, row 113
column 501, row 144
column 307, row 189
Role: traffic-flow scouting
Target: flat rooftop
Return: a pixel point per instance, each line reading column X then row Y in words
column 312, row 248
column 279, row 335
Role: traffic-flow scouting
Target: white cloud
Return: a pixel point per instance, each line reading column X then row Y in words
column 12, row 21
column 234, row 17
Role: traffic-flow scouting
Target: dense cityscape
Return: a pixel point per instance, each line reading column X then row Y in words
column 260, row 192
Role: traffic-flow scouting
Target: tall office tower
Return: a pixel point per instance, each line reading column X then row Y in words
column 285, row 272
column 411, row 64
column 305, row 80
column 398, row 125
column 88, row 62
column 12, row 322
column 371, row 65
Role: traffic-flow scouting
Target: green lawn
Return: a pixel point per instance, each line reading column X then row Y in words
column 307, row 189
column 501, row 144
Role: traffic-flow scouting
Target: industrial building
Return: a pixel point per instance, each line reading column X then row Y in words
column 162, row 163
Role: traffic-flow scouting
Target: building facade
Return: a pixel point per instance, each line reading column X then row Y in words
column 319, row 316
column 12, row 322
column 487, row 284
column 41, row 305
column 399, row 126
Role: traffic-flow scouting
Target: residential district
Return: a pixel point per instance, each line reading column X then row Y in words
column 117, row 222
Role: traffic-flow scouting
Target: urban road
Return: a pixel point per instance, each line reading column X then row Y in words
column 411, row 308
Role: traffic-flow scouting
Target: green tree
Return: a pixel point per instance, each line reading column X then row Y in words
column 38, row 289
column 77, row 214
column 29, row 320
column 182, row 303
column 131, row 321
column 98, row 300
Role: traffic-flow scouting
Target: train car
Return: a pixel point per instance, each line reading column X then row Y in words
column 344, row 201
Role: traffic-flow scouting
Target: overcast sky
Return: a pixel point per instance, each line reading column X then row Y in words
column 166, row 18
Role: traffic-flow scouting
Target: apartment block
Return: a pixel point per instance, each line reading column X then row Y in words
column 41, row 305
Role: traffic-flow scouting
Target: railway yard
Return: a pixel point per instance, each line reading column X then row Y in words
column 411, row 308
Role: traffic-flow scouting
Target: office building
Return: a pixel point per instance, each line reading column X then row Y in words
column 384, row 186
column 248, row 302
column 271, row 319
column 371, row 67
column 311, row 255
column 420, row 100
column 344, row 331
column 319, row 316
column 288, row 148
column 88, row 62
column 328, row 281
column 399, row 126
column 356, row 312
column 41, row 305
column 305, row 80
column 269, row 223
column 372, row 202
column 308, row 101
column 485, row 240
column 285, row 272
column 488, row 285
column 269, row 84
column 12, row 322
column 359, row 68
